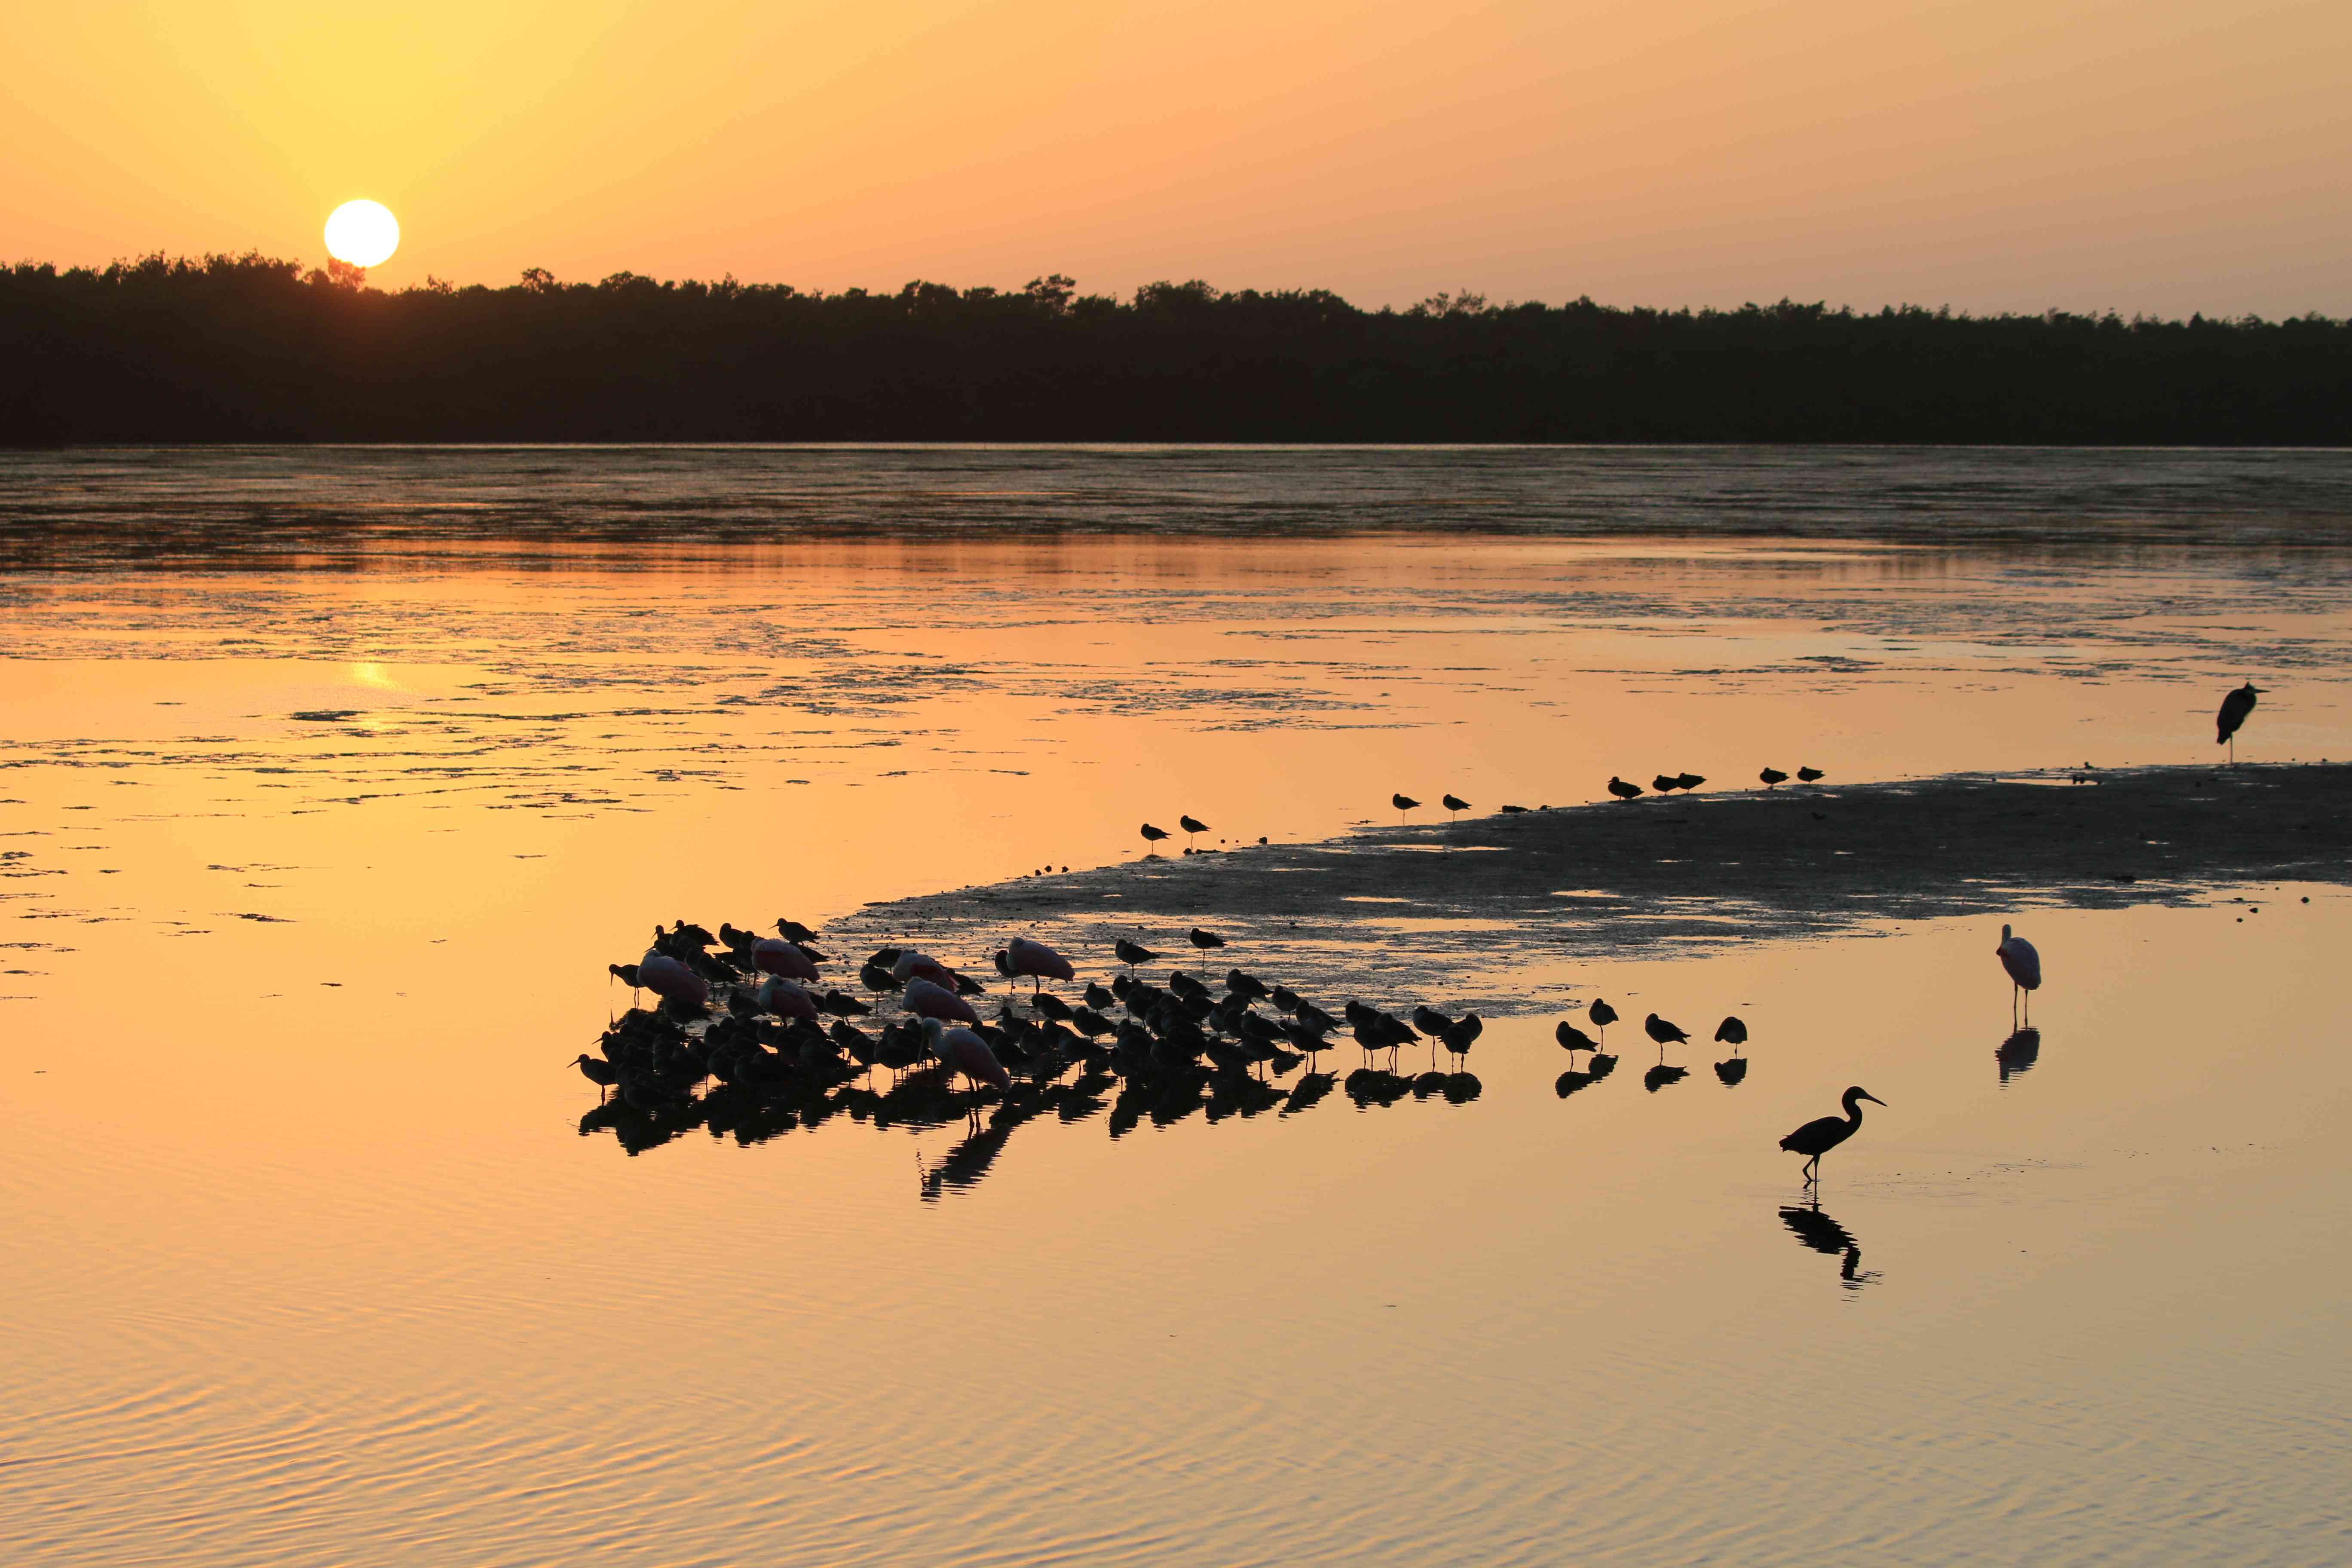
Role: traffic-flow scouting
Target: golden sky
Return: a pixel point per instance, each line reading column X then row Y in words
column 2164, row 155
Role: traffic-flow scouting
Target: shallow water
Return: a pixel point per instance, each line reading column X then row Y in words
column 310, row 876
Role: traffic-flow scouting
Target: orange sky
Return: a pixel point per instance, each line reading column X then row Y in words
column 2163, row 156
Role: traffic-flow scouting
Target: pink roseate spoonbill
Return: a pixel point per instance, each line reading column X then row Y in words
column 1815, row 1139
column 1403, row 803
column 773, row 955
column 928, row 999
column 913, row 965
column 1622, row 790
column 1191, row 825
column 962, row 1051
column 1772, row 777
column 2235, row 708
column 787, row 1000
column 2024, row 966
column 1038, row 962
column 671, row 981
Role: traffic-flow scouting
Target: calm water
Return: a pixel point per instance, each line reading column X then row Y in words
column 329, row 782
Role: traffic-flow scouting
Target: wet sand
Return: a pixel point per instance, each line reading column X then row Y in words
column 1463, row 910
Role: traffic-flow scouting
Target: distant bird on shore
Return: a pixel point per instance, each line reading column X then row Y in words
column 2235, row 707
column 1036, row 961
column 1690, row 782
column 1204, row 940
column 596, row 1070
column 1515, row 811
column 1132, row 953
column 1731, row 1031
column 1622, row 790
column 1154, row 835
column 793, row 931
column 1573, row 1039
column 1191, row 825
column 2024, row 967
column 1811, row 775
column 1602, row 1015
column 1815, row 1139
column 1403, row 803
column 1454, row 803
column 1773, row 776
column 1665, row 784
column 1663, row 1033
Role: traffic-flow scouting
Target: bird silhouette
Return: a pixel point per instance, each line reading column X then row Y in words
column 1454, row 803
column 1731, row 1031
column 1132, row 953
column 596, row 1070
column 1663, row 1033
column 1825, row 1235
column 1572, row 1039
column 1191, row 825
column 1514, row 810
column 1622, row 790
column 1036, row 961
column 1154, row 835
column 1602, row 1015
column 2235, row 707
column 1204, row 940
column 2024, row 967
column 1732, row 1073
column 1773, row 776
column 1811, row 775
column 1658, row 1077
column 1666, row 783
column 1403, row 803
column 1817, row 1138
column 1690, row 782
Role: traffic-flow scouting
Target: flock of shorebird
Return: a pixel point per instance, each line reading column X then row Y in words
column 748, row 1010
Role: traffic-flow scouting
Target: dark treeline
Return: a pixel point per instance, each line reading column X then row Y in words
column 252, row 348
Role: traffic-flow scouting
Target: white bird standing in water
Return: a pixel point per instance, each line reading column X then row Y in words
column 2024, row 966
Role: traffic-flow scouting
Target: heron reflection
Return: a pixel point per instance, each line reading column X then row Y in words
column 1825, row 1235
column 2018, row 1053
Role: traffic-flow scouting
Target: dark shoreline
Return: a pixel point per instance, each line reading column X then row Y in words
column 1657, row 877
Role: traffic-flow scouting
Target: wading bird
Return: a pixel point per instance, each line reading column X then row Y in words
column 1573, row 1039
column 2235, row 707
column 927, row 1000
column 1454, row 803
column 1204, row 940
column 962, row 1051
column 1815, row 1139
column 1622, row 790
column 1690, row 782
column 1731, row 1031
column 1038, row 962
column 2024, row 966
column 1666, row 783
column 1773, row 776
column 1602, row 1015
column 1154, row 835
column 1663, row 1033
column 1811, row 775
column 773, row 955
column 1132, row 953
column 1191, row 825
column 1403, row 803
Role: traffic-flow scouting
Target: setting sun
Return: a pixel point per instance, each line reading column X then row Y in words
column 364, row 234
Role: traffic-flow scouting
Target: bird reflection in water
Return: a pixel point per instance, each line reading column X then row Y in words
column 1824, row 1235
column 2018, row 1053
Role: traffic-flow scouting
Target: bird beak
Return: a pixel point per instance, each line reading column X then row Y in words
column 1874, row 1099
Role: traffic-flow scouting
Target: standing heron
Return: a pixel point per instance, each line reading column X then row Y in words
column 2235, row 707
column 1190, row 824
column 1815, row 1139
column 2024, row 966
column 1403, row 803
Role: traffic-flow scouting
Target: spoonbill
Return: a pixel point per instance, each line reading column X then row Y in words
column 787, row 1000
column 962, row 1051
column 2235, row 707
column 1815, row 1139
column 671, row 981
column 913, row 965
column 928, row 999
column 1038, row 962
column 2024, row 966
column 774, row 955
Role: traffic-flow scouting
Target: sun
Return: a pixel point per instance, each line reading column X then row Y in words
column 364, row 234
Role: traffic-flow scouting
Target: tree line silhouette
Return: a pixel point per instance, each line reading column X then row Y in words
column 250, row 348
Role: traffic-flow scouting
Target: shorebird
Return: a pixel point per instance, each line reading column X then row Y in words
column 1453, row 803
column 1690, row 782
column 1731, row 1031
column 1815, row 1139
column 1811, row 775
column 1191, row 825
column 2235, row 707
column 1622, row 790
column 1663, row 1033
column 1204, row 940
column 1131, row 954
column 1514, row 811
column 1773, row 776
column 596, row 1070
column 1403, row 803
column 2024, row 966
column 1154, row 835
column 1602, row 1015
column 1666, row 783
column 1573, row 1039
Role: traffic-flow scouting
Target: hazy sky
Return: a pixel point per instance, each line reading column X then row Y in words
column 2161, row 155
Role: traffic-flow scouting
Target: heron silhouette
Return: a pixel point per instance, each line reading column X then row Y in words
column 2018, row 1053
column 1825, row 1235
column 1817, row 1138
column 2235, row 708
column 2024, row 966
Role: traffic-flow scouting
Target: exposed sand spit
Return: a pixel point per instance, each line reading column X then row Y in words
column 1461, row 911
